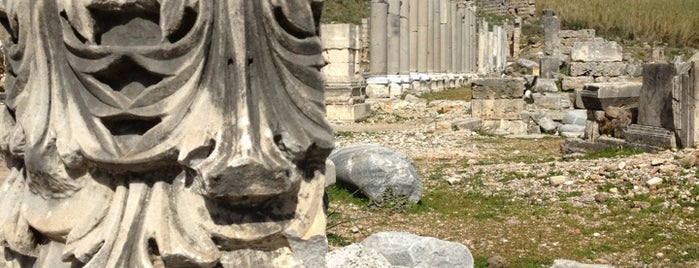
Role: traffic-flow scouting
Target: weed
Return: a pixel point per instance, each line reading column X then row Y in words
column 336, row 240
column 392, row 202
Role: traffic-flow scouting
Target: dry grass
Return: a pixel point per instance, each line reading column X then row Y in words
column 671, row 21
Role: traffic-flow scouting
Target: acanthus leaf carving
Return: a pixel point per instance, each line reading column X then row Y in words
column 194, row 130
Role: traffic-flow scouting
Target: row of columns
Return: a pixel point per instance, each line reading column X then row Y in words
column 493, row 48
column 422, row 45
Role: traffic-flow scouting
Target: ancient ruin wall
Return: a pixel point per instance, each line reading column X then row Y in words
column 520, row 8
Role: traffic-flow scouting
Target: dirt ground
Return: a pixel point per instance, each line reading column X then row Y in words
column 521, row 199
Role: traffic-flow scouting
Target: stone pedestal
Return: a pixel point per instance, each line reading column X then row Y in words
column 345, row 86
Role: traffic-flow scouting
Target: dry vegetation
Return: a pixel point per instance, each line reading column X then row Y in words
column 674, row 22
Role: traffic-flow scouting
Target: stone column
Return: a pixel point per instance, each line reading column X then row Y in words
column 430, row 36
column 458, row 57
column 405, row 44
column 393, row 36
column 423, row 32
column 467, row 32
column 473, row 46
column 437, row 39
column 516, row 36
column 551, row 61
column 501, row 46
column 444, row 35
column 482, row 49
column 453, row 25
column 552, row 29
column 377, row 39
column 414, row 34
column 448, row 36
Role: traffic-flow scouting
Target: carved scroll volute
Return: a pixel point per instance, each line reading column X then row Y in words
column 163, row 132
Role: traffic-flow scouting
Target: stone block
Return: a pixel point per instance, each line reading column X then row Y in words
column 651, row 136
column 330, row 173
column 506, row 127
column 498, row 88
column 333, row 55
column 497, row 109
column 339, row 72
column 575, row 117
column 552, row 101
column 345, row 94
column 606, row 79
column 348, row 112
column 596, row 51
column 597, row 68
column 378, row 91
column 579, row 104
column 549, row 66
column 570, row 83
column 467, row 124
column 585, row 34
column 340, row 36
column 598, row 96
column 655, row 107
column 546, row 85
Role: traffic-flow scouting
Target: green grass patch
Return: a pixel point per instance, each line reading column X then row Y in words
column 345, row 194
column 345, row 11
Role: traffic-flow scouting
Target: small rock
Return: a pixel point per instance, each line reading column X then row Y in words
column 614, row 190
column 688, row 210
column 354, row 255
column 354, row 230
column 689, row 161
column 557, row 180
column 497, row 262
column 574, row 264
column 654, row 181
column 622, row 165
column 453, row 181
column 659, row 255
column 657, row 162
column 641, row 205
column 601, row 197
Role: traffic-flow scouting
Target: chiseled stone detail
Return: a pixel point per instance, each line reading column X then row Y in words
column 163, row 133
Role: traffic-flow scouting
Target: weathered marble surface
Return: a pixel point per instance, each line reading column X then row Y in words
column 151, row 133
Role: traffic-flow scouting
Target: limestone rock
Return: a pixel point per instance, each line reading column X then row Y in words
column 374, row 170
column 408, row 250
column 467, row 124
column 572, row 83
column 356, row 255
column 509, row 109
column 597, row 68
column 575, row 117
column 574, row 264
column 597, row 51
column 598, row 96
column 498, row 88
